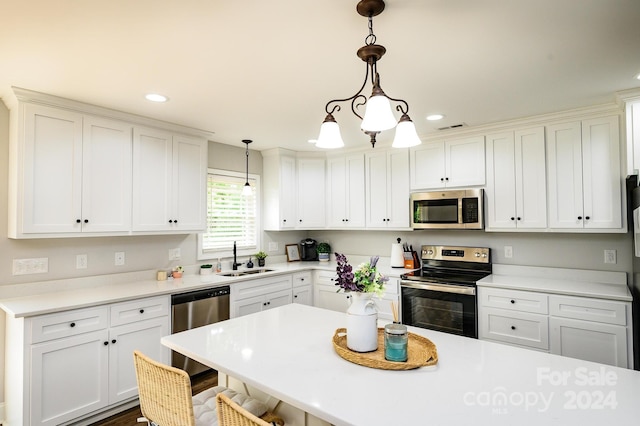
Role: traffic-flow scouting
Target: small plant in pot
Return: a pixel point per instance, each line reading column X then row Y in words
column 206, row 269
column 261, row 256
column 324, row 252
column 177, row 272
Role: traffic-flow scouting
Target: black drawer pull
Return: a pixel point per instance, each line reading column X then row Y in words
column 73, row 324
column 142, row 311
column 513, row 301
column 513, row 327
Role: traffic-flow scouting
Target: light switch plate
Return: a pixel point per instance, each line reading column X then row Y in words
column 508, row 252
column 610, row 256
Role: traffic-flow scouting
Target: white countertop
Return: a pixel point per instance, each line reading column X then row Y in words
column 598, row 284
column 32, row 299
column 475, row 382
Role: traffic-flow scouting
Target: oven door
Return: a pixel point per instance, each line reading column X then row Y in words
column 441, row 307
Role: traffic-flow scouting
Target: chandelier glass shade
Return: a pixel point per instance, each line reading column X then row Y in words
column 378, row 115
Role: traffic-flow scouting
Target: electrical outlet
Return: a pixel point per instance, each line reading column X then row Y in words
column 30, row 266
column 174, row 254
column 273, row 246
column 610, row 256
column 508, row 252
column 81, row 261
column 119, row 258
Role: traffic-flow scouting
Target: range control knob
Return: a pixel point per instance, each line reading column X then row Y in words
column 476, row 254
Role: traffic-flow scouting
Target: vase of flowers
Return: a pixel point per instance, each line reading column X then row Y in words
column 362, row 314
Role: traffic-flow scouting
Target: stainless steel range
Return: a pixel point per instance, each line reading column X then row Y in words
column 442, row 294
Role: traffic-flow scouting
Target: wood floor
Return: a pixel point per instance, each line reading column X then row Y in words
column 128, row 418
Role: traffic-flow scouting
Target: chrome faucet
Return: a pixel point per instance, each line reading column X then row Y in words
column 235, row 264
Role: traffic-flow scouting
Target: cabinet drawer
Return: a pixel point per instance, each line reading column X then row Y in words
column 519, row 328
column 70, row 323
column 301, row 279
column 325, row 277
column 253, row 288
column 138, row 310
column 604, row 311
column 521, row 301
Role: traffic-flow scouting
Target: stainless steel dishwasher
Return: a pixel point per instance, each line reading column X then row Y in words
column 195, row 309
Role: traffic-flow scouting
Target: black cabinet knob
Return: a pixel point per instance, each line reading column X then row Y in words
column 113, row 341
column 142, row 311
column 295, row 296
column 284, row 220
column 513, row 218
column 587, row 217
column 513, row 301
column 513, row 327
column 170, row 220
column 78, row 221
column 73, row 324
column 579, row 217
column 175, row 220
column 447, row 179
column 86, row 221
column 441, row 179
column 105, row 343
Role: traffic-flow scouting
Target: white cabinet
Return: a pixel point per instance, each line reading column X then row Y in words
column 169, row 181
column 257, row 295
column 279, row 189
column 69, row 364
column 583, row 167
column 311, row 193
column 514, row 317
column 591, row 329
column 303, row 288
column 70, row 174
column 387, row 189
column 580, row 327
column 516, row 192
column 448, row 164
column 346, row 192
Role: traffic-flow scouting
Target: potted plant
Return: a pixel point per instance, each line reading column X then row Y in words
column 206, row 269
column 177, row 272
column 324, row 252
column 261, row 256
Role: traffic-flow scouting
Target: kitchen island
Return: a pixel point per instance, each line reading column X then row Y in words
column 287, row 352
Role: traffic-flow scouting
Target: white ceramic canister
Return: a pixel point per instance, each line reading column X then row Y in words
column 362, row 323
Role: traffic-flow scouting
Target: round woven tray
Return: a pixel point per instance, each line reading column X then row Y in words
column 420, row 350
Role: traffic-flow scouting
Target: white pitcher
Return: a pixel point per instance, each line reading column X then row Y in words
column 362, row 323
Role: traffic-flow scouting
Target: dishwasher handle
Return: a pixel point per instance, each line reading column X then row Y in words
column 192, row 296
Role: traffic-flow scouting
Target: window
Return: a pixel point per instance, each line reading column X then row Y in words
column 231, row 216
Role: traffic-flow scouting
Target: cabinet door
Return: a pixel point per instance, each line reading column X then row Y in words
column 601, row 173
column 464, row 162
column 531, row 182
column 123, row 340
column 276, row 299
column 590, row 341
column 106, row 175
column 501, row 181
column 377, row 196
column 328, row 298
column 337, row 193
column 311, row 193
column 152, row 174
column 247, row 306
column 427, row 166
column 355, row 184
column 564, row 172
column 398, row 189
column 69, row 377
column 189, row 183
column 52, row 176
column 287, row 193
column 303, row 295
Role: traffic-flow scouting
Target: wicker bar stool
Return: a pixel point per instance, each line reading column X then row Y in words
column 165, row 397
column 231, row 414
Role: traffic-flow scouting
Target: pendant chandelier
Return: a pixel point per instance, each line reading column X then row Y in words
column 246, row 190
column 378, row 115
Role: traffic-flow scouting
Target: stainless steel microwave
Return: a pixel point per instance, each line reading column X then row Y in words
column 448, row 209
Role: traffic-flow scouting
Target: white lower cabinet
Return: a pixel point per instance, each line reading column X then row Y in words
column 75, row 363
column 303, row 288
column 580, row 327
column 258, row 295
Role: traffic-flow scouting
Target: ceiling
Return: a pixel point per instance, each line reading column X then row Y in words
column 263, row 70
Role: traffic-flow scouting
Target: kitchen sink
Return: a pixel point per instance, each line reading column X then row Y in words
column 242, row 273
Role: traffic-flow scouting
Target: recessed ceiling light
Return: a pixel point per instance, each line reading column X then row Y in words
column 435, row 117
column 155, row 97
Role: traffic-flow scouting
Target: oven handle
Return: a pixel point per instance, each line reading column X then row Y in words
column 439, row 287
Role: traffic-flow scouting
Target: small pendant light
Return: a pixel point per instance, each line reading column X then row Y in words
column 247, row 188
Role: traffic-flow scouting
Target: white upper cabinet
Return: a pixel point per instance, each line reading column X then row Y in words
column 584, row 175
column 516, row 181
column 311, row 193
column 169, row 181
column 279, row 189
column 71, row 174
column 345, row 192
column 448, row 164
column 387, row 189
